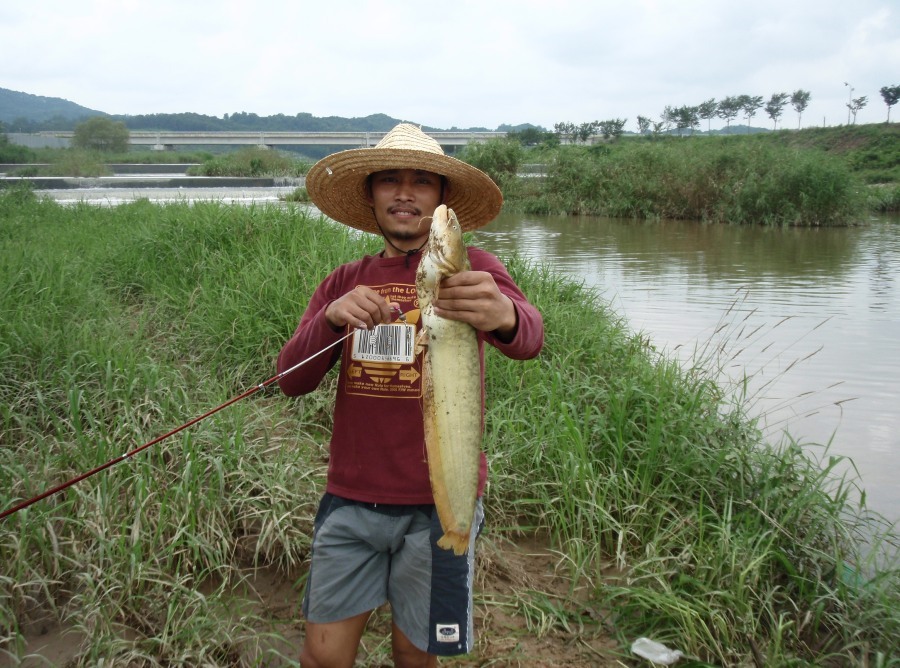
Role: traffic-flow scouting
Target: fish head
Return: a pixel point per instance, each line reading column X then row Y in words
column 445, row 239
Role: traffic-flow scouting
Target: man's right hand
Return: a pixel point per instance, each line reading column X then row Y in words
column 361, row 307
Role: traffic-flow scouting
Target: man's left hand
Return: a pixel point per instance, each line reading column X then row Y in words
column 473, row 297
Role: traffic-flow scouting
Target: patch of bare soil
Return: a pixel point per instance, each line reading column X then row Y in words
column 527, row 613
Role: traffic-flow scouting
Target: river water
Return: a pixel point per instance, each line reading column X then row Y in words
column 810, row 318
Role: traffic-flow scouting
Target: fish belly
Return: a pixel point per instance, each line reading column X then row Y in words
column 452, row 421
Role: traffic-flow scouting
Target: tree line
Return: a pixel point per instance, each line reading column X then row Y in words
column 681, row 119
column 689, row 117
column 236, row 122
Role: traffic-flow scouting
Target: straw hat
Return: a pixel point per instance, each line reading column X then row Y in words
column 337, row 184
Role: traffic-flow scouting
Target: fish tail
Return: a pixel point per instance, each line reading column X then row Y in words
column 455, row 540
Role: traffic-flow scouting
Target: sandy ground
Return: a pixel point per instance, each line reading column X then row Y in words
column 577, row 638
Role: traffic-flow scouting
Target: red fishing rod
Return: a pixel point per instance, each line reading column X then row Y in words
column 128, row 455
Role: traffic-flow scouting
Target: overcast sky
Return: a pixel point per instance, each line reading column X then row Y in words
column 445, row 64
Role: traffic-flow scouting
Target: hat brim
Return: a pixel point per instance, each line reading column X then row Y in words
column 337, row 185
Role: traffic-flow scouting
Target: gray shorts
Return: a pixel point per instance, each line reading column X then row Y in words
column 365, row 555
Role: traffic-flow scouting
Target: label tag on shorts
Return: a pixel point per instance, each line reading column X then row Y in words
column 447, row 632
column 386, row 343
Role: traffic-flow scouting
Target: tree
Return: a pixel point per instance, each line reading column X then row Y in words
column 643, row 125
column 101, row 134
column 890, row 95
column 708, row 110
column 612, row 128
column 587, row 130
column 800, row 100
column 728, row 109
column 750, row 104
column 686, row 117
column 857, row 104
column 565, row 131
column 669, row 117
column 775, row 107
column 530, row 136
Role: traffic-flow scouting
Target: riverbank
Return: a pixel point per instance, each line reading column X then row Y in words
column 666, row 511
column 806, row 178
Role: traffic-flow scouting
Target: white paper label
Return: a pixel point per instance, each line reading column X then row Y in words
column 386, row 343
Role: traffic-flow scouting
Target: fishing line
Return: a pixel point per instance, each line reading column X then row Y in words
column 131, row 453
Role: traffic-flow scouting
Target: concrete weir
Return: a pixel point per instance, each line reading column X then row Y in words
column 133, row 176
column 71, row 182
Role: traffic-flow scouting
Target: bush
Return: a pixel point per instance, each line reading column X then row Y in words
column 71, row 162
column 498, row 158
column 13, row 152
column 716, row 180
column 251, row 162
column 101, row 134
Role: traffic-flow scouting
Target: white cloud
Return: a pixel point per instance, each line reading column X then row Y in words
column 449, row 64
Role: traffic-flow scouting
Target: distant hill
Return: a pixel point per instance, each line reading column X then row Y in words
column 243, row 121
column 23, row 112
column 15, row 105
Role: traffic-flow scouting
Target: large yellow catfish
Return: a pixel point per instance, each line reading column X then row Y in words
column 451, row 380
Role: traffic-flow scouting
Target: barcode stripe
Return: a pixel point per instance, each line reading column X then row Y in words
column 385, row 343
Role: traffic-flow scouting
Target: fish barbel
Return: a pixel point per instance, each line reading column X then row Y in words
column 451, row 382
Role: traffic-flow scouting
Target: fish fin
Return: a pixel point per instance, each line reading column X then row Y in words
column 456, row 541
column 421, row 340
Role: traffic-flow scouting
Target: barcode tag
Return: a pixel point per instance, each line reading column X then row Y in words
column 386, row 343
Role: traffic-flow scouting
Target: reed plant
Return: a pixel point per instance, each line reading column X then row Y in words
column 884, row 199
column 251, row 162
column 117, row 324
column 720, row 180
column 71, row 162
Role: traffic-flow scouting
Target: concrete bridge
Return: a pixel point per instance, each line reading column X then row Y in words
column 165, row 140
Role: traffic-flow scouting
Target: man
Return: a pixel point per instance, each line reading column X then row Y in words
column 376, row 527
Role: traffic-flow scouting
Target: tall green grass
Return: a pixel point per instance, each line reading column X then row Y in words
column 871, row 150
column 250, row 162
column 722, row 179
column 117, row 324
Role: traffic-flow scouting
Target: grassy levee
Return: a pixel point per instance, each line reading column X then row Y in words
column 118, row 324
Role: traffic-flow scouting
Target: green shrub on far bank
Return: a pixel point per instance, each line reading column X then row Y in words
column 71, row 162
column 710, row 179
column 883, row 199
column 297, row 195
column 498, row 158
column 147, row 157
column 251, row 162
column 14, row 153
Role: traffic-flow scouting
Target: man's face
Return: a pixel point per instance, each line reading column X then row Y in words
column 400, row 199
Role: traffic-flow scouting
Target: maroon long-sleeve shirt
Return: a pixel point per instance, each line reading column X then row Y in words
column 377, row 451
